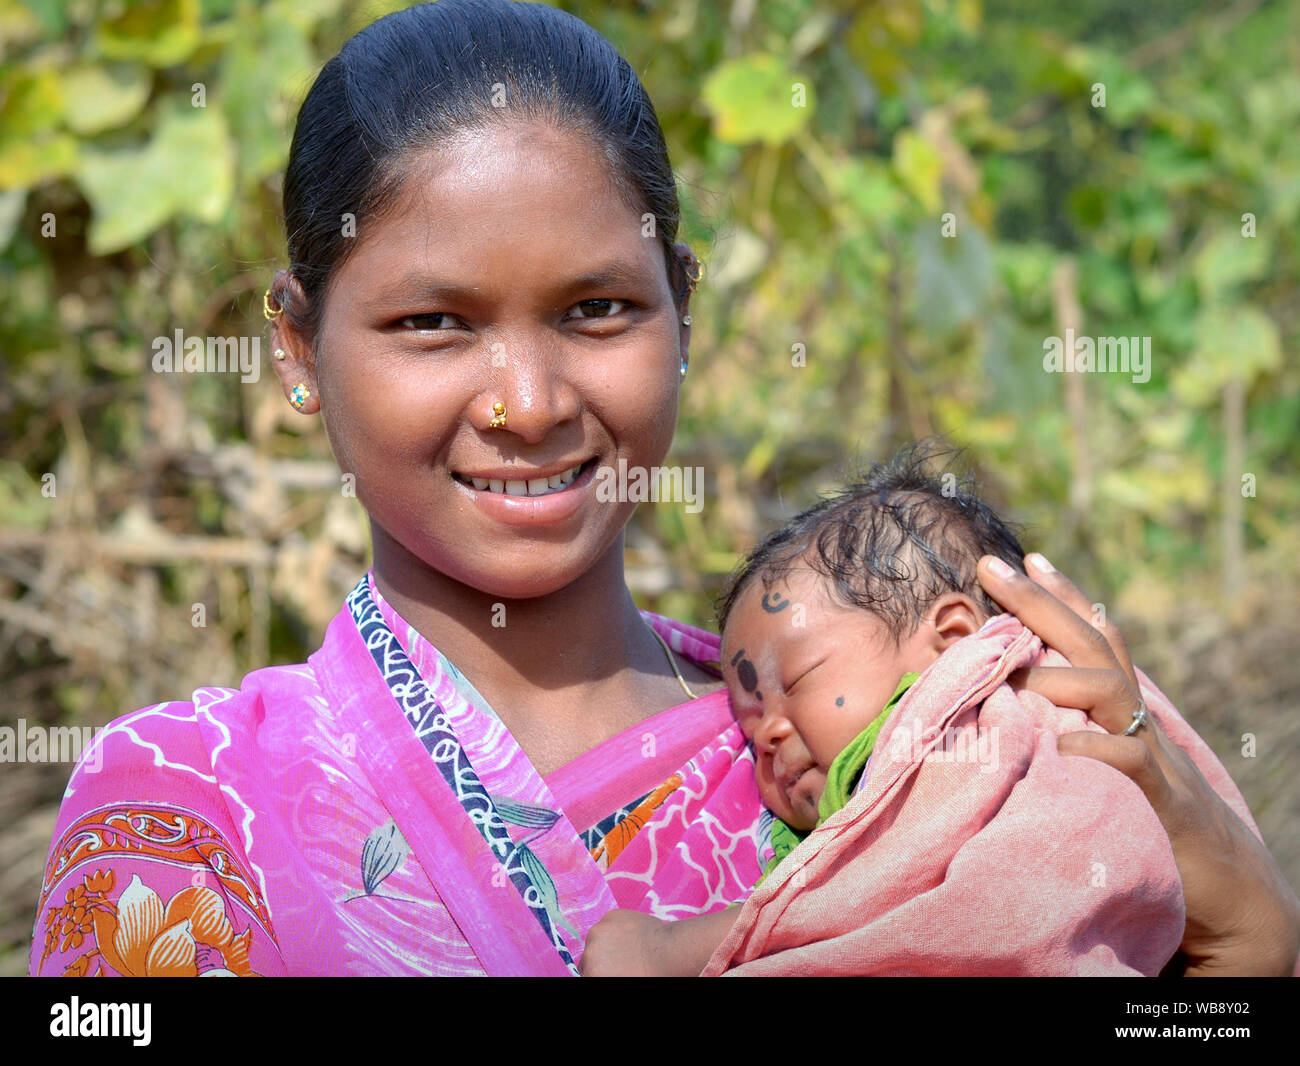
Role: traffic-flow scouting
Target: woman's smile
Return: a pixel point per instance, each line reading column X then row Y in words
column 520, row 481
column 530, row 501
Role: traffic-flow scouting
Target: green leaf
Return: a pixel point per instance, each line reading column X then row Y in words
column 128, row 199
column 51, row 14
column 1228, row 259
column 757, row 98
column 264, row 75
column 192, row 152
column 919, row 167
column 33, row 101
column 1236, row 343
column 161, row 33
column 186, row 169
column 104, row 97
column 24, row 163
column 303, row 14
column 11, row 210
column 32, row 149
column 868, row 188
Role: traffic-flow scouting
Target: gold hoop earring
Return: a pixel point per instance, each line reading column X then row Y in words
column 499, row 416
column 271, row 313
column 695, row 279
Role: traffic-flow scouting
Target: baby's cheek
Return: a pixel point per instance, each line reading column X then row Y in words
column 768, row 792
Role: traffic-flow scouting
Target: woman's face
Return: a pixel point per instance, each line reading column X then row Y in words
column 512, row 271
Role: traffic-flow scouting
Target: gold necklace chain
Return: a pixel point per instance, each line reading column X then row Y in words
column 672, row 662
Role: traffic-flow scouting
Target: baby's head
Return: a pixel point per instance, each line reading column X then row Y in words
column 828, row 612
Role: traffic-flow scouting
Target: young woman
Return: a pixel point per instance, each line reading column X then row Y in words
column 494, row 746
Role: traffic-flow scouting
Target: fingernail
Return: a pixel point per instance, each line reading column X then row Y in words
column 1000, row 568
column 1041, row 564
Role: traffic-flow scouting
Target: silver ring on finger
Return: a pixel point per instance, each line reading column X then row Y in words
column 1139, row 718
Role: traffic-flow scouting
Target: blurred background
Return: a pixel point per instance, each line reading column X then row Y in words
column 897, row 204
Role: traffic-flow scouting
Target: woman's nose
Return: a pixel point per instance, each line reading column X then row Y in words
column 532, row 385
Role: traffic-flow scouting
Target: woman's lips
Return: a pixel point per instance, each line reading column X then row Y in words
column 525, row 508
column 516, row 483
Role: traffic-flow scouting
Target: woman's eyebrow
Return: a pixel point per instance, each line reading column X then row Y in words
column 612, row 274
column 606, row 278
column 415, row 284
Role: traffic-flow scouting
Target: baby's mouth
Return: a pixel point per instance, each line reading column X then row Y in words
column 544, row 485
column 787, row 779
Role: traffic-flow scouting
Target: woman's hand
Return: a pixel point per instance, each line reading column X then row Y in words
column 1242, row 916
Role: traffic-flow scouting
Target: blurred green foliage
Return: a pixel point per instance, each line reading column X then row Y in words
column 884, row 194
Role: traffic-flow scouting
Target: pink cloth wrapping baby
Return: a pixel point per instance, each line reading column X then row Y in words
column 972, row 847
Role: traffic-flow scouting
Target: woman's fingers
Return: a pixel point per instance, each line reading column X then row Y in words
column 1107, row 695
column 1044, row 614
column 1109, row 700
column 1043, row 573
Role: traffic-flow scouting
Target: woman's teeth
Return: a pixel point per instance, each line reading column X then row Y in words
column 538, row 486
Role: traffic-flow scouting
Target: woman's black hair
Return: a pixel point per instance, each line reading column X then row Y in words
column 417, row 77
column 890, row 543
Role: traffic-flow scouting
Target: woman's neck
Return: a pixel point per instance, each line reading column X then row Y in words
column 580, row 661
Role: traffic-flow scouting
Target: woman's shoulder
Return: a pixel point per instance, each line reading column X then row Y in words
column 151, row 823
column 182, row 738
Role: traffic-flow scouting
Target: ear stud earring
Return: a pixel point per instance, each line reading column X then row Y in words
column 298, row 395
column 278, row 353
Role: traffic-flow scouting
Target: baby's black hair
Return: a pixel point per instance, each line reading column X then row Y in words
column 891, row 542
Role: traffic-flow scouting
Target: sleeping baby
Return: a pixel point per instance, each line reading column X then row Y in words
column 924, row 822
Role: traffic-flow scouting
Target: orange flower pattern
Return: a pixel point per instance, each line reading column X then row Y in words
column 605, row 842
column 138, row 936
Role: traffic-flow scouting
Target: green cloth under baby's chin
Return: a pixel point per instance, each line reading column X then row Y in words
column 841, row 779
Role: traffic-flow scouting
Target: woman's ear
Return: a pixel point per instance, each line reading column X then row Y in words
column 953, row 616
column 292, row 354
column 692, row 269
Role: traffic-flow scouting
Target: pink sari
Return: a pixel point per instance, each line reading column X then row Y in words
column 367, row 813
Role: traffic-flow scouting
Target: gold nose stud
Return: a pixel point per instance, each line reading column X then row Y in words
column 499, row 416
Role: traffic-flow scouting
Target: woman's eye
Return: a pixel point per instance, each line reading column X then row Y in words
column 425, row 323
column 598, row 308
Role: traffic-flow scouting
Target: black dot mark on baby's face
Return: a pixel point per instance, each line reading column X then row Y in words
column 839, row 702
column 773, row 602
column 748, row 675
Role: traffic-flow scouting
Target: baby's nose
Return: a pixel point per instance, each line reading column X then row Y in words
column 772, row 729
